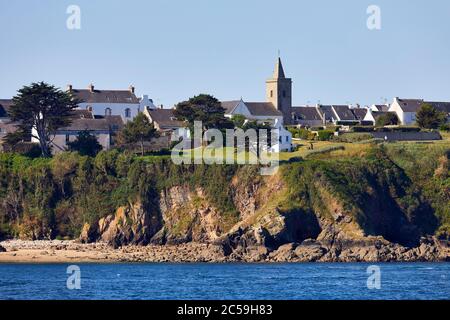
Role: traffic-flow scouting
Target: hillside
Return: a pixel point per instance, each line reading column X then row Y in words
column 380, row 202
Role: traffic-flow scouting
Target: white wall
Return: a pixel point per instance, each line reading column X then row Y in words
column 117, row 109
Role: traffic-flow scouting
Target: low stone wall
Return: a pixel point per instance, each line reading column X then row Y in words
column 406, row 136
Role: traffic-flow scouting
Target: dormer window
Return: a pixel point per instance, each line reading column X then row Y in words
column 108, row 112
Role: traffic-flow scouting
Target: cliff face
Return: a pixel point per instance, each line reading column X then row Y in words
column 367, row 209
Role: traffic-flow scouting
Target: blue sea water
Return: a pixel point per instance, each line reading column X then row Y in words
column 226, row 281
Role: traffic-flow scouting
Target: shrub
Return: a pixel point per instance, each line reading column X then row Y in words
column 325, row 135
column 353, row 137
column 387, row 119
column 445, row 127
column 406, row 129
column 363, row 129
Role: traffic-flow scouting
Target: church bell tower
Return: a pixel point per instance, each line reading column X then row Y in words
column 279, row 92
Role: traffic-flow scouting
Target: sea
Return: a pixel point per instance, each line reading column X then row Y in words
column 306, row 281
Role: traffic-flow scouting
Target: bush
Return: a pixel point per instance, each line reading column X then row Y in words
column 363, row 129
column 325, row 135
column 353, row 137
column 445, row 127
column 406, row 129
column 387, row 119
column 301, row 133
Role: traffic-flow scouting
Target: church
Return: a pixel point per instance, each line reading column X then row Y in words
column 276, row 110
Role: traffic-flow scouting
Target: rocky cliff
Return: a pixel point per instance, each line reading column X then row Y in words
column 301, row 214
column 357, row 209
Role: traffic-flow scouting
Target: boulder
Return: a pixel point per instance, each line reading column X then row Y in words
column 309, row 251
column 284, row 253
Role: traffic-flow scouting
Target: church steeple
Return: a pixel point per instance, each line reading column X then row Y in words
column 279, row 91
column 279, row 72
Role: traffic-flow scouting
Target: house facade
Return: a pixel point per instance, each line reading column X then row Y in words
column 84, row 120
column 406, row 109
column 103, row 103
column 166, row 123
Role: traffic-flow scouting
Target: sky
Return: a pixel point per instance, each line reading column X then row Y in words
column 173, row 50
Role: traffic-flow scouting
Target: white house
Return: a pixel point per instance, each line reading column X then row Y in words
column 103, row 103
column 166, row 123
column 372, row 116
column 284, row 138
column 406, row 109
column 261, row 112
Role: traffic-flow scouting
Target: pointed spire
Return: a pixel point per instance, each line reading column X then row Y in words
column 279, row 72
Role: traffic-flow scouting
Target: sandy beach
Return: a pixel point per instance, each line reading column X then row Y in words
column 63, row 251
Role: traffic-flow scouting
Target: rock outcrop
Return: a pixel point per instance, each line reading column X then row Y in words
column 327, row 229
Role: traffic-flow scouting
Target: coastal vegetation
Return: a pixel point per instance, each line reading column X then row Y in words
column 400, row 191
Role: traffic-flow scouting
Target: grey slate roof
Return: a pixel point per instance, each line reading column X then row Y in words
column 165, row 118
column 359, row 113
column 105, row 96
column 82, row 114
column 229, row 105
column 344, row 113
column 262, row 109
column 327, row 112
column 441, row 106
column 382, row 107
column 410, row 105
column 306, row 113
column 87, row 124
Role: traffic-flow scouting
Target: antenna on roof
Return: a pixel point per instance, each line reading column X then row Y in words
column 279, row 53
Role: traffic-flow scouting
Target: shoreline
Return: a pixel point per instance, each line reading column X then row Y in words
column 72, row 251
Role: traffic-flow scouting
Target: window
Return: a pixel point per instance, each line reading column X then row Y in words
column 67, row 138
column 287, row 139
column 89, row 108
column 127, row 113
column 271, row 93
column 107, row 111
column 284, row 94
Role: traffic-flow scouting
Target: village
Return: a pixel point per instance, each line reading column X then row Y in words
column 103, row 113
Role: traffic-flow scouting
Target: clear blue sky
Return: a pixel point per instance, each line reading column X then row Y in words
column 175, row 49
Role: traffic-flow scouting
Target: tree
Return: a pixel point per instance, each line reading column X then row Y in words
column 44, row 108
column 85, row 144
column 239, row 121
column 138, row 131
column 429, row 117
column 203, row 108
column 387, row 119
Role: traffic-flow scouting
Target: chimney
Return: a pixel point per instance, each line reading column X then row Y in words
column 131, row 88
column 161, row 106
column 69, row 87
column 91, row 88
